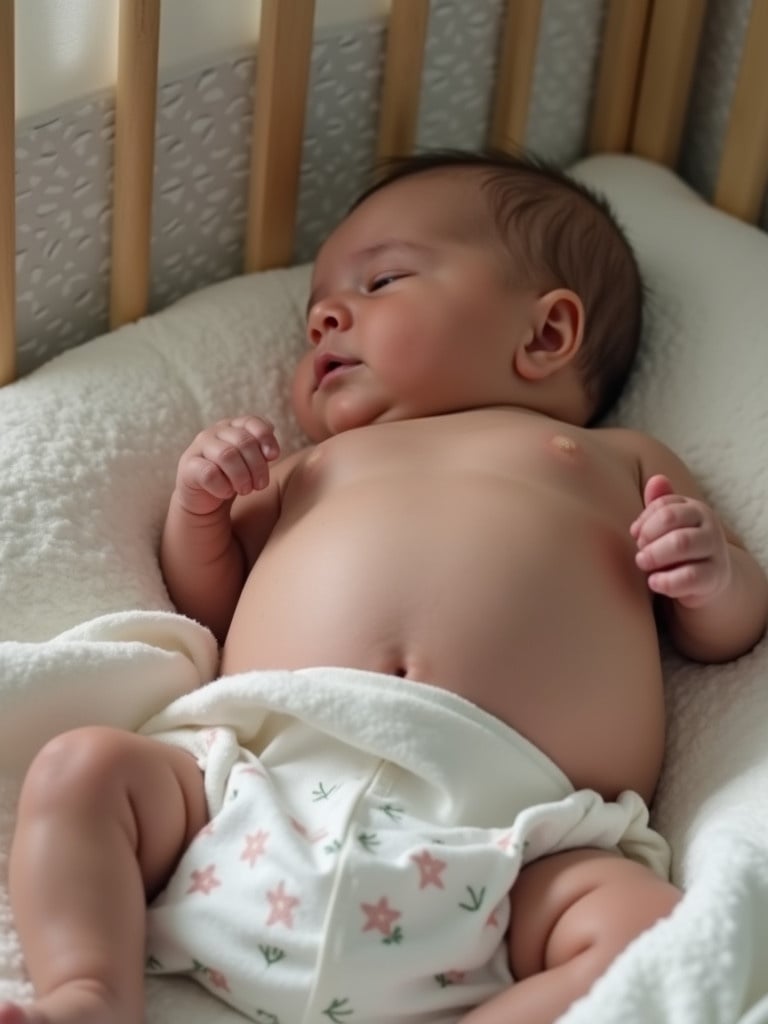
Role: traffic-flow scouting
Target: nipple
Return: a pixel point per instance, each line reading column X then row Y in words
column 564, row 444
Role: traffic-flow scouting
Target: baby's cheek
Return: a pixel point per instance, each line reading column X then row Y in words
column 302, row 388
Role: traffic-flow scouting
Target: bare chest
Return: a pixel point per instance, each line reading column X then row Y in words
column 500, row 569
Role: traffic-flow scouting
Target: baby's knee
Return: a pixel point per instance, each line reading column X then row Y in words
column 77, row 765
column 622, row 900
column 586, row 904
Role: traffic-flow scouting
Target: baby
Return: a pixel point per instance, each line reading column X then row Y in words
column 456, row 526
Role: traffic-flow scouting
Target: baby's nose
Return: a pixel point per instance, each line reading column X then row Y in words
column 324, row 317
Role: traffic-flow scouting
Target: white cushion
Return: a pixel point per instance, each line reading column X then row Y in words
column 701, row 386
column 90, row 443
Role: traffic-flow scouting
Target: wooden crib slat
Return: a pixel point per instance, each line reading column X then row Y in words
column 618, row 78
column 134, row 158
column 743, row 174
column 7, row 196
column 282, row 76
column 406, row 39
column 514, row 77
column 673, row 43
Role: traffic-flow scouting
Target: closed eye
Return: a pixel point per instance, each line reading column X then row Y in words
column 382, row 280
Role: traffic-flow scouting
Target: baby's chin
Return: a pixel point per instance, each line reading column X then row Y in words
column 317, row 429
column 320, row 418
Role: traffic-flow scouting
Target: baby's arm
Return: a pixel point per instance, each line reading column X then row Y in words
column 203, row 555
column 714, row 593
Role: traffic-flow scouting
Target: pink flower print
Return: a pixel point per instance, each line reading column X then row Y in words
column 204, row 881
column 506, row 841
column 430, row 869
column 379, row 916
column 311, row 837
column 218, row 980
column 454, row 977
column 255, row 846
column 282, row 905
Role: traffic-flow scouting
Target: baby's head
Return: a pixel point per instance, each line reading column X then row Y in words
column 462, row 280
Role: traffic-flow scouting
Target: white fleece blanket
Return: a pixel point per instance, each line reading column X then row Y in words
column 88, row 447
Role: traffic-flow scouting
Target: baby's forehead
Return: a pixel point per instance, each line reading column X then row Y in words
column 437, row 206
column 450, row 198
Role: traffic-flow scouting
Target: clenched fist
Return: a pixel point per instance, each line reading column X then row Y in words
column 225, row 460
column 681, row 544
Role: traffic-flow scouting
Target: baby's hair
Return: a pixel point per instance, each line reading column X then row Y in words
column 564, row 235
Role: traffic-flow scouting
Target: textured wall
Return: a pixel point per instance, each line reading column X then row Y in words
column 203, row 138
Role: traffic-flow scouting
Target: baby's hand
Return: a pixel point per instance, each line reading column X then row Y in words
column 228, row 459
column 681, row 544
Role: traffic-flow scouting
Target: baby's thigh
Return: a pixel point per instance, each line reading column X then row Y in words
column 584, row 903
column 151, row 791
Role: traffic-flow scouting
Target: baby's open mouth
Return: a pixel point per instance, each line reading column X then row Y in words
column 328, row 365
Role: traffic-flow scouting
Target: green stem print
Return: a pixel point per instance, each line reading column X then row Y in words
column 369, row 841
column 265, row 1017
column 392, row 811
column 338, row 1010
column 272, row 954
column 321, row 793
column 475, row 899
column 395, row 937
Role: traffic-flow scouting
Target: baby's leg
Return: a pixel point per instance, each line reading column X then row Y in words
column 104, row 816
column 571, row 915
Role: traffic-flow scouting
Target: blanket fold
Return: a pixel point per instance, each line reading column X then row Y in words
column 114, row 670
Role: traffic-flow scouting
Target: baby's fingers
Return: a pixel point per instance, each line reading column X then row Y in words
column 673, row 549
column 238, row 454
column 664, row 516
column 263, row 431
column 682, row 581
column 201, row 474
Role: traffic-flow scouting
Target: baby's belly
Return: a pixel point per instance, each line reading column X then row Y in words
column 535, row 615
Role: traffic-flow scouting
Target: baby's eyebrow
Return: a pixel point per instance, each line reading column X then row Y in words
column 370, row 252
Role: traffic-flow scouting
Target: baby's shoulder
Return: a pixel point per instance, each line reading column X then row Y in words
column 623, row 439
column 649, row 453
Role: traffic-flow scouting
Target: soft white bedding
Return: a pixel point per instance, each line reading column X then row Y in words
column 89, row 447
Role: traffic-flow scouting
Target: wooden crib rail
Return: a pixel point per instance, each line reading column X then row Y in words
column 134, row 159
column 7, row 196
column 406, row 39
column 515, row 74
column 620, row 63
column 285, row 49
column 667, row 78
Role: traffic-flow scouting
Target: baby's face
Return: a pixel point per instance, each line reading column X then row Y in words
column 411, row 312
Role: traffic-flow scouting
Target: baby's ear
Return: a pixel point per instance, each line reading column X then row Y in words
column 557, row 333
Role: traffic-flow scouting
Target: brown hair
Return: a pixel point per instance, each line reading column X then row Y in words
column 565, row 235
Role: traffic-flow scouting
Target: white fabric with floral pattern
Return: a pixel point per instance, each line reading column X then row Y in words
column 365, row 832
